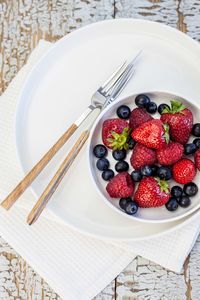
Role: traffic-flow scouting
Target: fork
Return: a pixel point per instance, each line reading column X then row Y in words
column 107, row 93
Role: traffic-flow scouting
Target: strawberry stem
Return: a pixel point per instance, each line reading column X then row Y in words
column 166, row 133
column 163, row 184
column 176, row 106
column 119, row 140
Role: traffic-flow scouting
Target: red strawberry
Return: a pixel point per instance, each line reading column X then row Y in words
column 197, row 159
column 115, row 133
column 138, row 116
column 152, row 192
column 152, row 134
column 121, row 186
column 170, row 154
column 142, row 156
column 180, row 121
column 184, row 171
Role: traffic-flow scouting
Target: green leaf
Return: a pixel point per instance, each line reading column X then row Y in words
column 166, row 110
column 126, row 146
column 110, row 140
column 115, row 135
column 176, row 106
column 119, row 141
column 166, row 133
column 163, row 184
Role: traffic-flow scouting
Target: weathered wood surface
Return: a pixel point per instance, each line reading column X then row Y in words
column 22, row 24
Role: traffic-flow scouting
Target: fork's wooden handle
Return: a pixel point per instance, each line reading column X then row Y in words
column 28, row 179
column 55, row 181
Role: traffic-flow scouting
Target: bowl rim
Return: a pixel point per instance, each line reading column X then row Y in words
column 106, row 201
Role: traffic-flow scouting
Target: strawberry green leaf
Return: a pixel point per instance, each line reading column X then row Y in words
column 119, row 140
column 163, row 184
column 166, row 110
column 176, row 106
column 166, row 133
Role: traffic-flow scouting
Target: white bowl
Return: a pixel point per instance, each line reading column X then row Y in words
column 153, row 215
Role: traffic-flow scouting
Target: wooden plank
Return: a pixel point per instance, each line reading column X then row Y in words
column 164, row 11
column 22, row 25
column 144, row 279
column 190, row 11
column 18, row 280
column 194, row 272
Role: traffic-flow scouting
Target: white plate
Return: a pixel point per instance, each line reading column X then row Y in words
column 154, row 214
column 59, row 88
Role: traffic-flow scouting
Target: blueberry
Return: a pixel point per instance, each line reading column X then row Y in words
column 197, row 143
column 161, row 107
column 123, row 112
column 190, row 148
column 184, row 201
column 136, row 175
column 121, row 166
column 184, row 194
column 176, row 191
column 154, row 170
column 119, row 154
column 146, row 171
column 123, row 202
column 151, row 107
column 100, row 151
column 172, row 204
column 196, row 129
column 102, row 164
column 131, row 208
column 190, row 189
column 164, row 173
column 131, row 143
column 108, row 175
column 142, row 100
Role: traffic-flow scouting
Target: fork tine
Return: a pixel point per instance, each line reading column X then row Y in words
column 119, row 79
column 136, row 57
column 116, row 73
column 121, row 85
column 109, row 89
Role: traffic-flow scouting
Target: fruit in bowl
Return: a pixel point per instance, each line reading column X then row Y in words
column 146, row 147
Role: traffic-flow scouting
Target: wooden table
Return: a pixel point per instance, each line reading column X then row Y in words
column 22, row 24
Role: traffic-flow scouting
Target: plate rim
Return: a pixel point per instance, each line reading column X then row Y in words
column 35, row 67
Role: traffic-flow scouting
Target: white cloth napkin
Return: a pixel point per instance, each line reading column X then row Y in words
column 75, row 265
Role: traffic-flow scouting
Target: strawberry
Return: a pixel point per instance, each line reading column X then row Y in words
column 115, row 133
column 138, row 116
column 180, row 121
column 152, row 134
column 142, row 156
column 184, row 171
column 121, row 186
column 197, row 159
column 170, row 154
column 152, row 192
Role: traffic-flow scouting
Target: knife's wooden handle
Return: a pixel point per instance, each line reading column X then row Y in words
column 28, row 179
column 55, row 181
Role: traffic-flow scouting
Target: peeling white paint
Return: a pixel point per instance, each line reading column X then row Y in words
column 22, row 25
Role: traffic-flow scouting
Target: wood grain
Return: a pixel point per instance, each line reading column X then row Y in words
column 35, row 171
column 57, row 178
column 22, row 24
